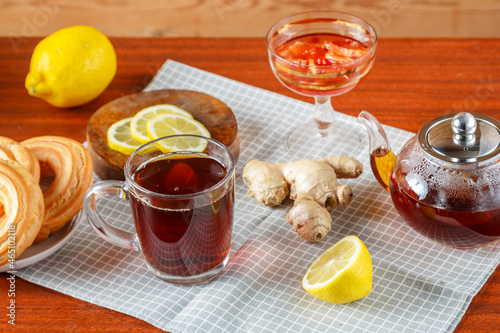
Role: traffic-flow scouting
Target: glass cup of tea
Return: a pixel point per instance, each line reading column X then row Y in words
column 182, row 203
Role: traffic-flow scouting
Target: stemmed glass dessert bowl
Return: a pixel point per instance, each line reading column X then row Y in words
column 322, row 54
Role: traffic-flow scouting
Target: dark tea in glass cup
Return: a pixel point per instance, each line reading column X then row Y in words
column 181, row 193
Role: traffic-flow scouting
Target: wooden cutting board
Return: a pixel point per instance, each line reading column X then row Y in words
column 211, row 112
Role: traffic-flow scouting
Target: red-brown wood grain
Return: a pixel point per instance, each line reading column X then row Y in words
column 413, row 80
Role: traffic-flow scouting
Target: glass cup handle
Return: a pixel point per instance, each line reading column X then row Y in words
column 111, row 188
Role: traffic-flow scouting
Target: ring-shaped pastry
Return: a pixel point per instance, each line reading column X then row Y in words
column 72, row 168
column 14, row 151
column 22, row 199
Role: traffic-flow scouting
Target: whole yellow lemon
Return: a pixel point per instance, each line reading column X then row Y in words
column 71, row 67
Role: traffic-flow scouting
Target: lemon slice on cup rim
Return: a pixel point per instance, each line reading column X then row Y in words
column 173, row 125
column 120, row 138
column 140, row 119
column 342, row 274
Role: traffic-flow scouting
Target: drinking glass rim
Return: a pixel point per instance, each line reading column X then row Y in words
column 229, row 173
column 369, row 53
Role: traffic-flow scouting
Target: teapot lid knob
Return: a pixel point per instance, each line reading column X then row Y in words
column 461, row 138
column 464, row 126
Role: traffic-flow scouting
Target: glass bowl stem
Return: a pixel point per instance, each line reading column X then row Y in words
column 323, row 114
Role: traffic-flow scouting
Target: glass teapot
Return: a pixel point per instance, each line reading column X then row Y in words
column 445, row 182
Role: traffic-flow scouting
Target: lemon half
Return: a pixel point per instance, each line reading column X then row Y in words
column 342, row 274
column 138, row 124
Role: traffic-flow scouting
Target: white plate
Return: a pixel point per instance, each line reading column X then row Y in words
column 43, row 249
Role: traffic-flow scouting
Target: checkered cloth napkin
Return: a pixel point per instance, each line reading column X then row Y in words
column 418, row 286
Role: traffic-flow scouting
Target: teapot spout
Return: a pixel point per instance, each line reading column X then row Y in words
column 382, row 159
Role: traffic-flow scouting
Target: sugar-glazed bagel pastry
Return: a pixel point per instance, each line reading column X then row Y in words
column 71, row 165
column 22, row 199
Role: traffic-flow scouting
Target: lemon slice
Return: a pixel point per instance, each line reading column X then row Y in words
column 120, row 138
column 138, row 124
column 342, row 274
column 172, row 124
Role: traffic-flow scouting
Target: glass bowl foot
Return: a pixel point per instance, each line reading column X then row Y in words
column 344, row 139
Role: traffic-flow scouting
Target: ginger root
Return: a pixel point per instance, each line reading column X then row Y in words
column 312, row 184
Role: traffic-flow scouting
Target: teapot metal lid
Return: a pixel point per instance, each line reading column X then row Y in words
column 461, row 138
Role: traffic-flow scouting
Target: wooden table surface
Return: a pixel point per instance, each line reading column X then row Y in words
column 413, row 80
